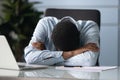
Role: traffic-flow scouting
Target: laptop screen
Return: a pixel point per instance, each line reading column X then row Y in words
column 7, row 59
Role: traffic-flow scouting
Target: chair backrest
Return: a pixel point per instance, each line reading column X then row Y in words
column 77, row 14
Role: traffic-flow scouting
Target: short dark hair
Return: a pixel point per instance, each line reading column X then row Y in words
column 65, row 36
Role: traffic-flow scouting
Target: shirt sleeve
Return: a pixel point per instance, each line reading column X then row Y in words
column 89, row 34
column 43, row 57
column 88, row 58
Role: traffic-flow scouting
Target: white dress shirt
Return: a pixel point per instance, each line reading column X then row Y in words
column 89, row 34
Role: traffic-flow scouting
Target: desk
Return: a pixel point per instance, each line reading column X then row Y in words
column 51, row 73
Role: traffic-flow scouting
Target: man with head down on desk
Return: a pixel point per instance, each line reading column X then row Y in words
column 63, row 42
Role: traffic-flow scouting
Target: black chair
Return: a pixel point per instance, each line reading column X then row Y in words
column 77, row 14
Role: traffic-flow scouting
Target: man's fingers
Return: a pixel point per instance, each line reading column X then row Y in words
column 92, row 47
column 38, row 45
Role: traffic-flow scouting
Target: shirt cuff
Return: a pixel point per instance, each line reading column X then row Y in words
column 58, row 54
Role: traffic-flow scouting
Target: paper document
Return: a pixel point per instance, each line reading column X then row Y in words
column 91, row 69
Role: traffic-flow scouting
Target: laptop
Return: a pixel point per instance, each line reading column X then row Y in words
column 8, row 61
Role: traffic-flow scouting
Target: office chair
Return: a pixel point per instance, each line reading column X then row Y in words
column 77, row 14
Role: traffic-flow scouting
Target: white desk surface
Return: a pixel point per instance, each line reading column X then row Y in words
column 52, row 73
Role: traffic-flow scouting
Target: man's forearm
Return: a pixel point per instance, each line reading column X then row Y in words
column 88, row 47
column 69, row 54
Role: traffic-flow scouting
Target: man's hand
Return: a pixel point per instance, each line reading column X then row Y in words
column 38, row 45
column 91, row 47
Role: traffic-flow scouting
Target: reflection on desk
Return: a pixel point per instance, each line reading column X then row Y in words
column 21, row 78
column 84, row 75
column 51, row 73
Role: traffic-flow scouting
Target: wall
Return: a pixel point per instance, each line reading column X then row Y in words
column 119, row 35
column 109, row 23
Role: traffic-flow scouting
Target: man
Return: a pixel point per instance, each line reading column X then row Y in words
column 44, row 50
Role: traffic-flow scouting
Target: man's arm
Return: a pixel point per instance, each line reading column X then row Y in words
column 89, row 36
column 68, row 54
column 41, row 33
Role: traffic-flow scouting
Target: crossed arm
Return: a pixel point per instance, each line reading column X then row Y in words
column 68, row 54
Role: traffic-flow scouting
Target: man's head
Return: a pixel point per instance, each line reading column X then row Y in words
column 65, row 36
